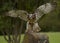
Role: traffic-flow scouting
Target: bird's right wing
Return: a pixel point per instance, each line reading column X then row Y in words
column 44, row 9
column 18, row 13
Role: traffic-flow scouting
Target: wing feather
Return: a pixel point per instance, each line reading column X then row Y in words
column 44, row 9
column 18, row 13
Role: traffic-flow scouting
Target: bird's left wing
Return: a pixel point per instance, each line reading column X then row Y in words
column 18, row 13
column 44, row 9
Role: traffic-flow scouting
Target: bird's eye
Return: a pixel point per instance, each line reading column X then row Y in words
column 28, row 16
column 33, row 17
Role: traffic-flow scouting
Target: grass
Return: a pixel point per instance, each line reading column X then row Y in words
column 2, row 40
column 54, row 37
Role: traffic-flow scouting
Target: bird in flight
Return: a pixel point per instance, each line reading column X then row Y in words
column 32, row 18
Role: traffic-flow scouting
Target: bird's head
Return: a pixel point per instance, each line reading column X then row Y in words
column 31, row 18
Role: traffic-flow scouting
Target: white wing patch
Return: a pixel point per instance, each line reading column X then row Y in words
column 12, row 13
column 46, row 8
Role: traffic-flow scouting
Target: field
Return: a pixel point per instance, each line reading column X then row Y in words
column 54, row 37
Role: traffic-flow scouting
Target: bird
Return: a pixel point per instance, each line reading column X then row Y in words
column 32, row 18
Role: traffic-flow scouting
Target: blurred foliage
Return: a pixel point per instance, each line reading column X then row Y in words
column 49, row 22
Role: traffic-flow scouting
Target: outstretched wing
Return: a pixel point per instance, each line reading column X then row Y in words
column 18, row 13
column 44, row 9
